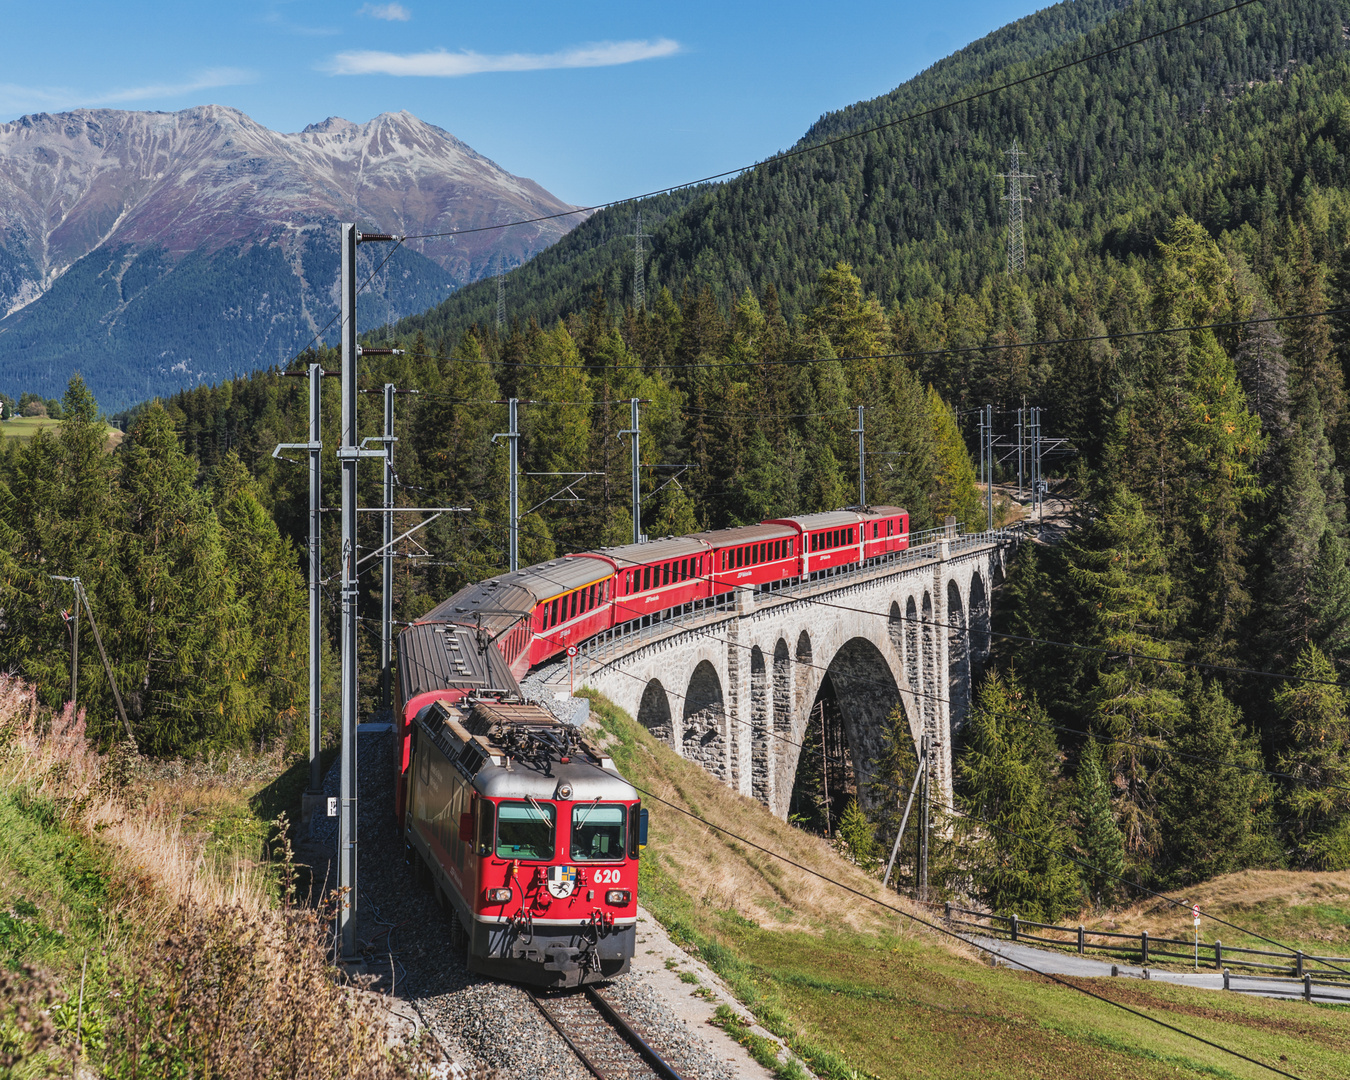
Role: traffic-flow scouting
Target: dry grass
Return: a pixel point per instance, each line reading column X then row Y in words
column 200, row 967
column 1303, row 909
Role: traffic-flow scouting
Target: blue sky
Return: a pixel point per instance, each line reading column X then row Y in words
column 595, row 101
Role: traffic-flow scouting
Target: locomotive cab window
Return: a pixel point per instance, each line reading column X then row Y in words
column 485, row 822
column 525, row 830
column 597, row 831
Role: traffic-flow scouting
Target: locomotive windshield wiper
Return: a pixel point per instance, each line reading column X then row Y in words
column 540, row 811
column 593, row 805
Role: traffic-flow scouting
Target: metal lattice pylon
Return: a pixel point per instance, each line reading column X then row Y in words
column 639, row 277
column 1017, row 254
column 501, row 292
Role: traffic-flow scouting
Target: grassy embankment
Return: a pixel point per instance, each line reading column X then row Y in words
column 856, row 989
column 23, row 428
column 143, row 926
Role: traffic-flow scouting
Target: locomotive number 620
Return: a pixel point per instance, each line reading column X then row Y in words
column 607, row 877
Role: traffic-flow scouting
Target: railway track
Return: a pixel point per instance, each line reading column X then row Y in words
column 600, row 1035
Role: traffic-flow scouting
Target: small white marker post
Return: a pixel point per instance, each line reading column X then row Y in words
column 571, row 666
column 1195, row 913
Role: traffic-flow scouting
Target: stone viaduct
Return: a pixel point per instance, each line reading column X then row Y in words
column 732, row 685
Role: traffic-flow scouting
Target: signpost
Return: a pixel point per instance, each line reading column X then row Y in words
column 571, row 666
column 1195, row 913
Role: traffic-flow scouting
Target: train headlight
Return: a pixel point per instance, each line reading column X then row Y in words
column 498, row 896
column 618, row 897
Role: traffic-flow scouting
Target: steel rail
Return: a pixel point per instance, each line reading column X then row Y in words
column 649, row 1056
column 644, row 1049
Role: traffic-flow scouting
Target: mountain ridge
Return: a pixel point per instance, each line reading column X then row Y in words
column 88, row 194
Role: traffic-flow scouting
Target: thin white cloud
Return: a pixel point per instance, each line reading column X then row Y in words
column 17, row 100
column 206, row 80
column 444, row 64
column 273, row 18
column 388, row 12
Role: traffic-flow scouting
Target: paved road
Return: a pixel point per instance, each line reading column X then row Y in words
column 1058, row 963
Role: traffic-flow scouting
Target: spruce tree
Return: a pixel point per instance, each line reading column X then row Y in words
column 1212, row 798
column 1117, row 567
column 1100, row 842
column 1316, row 729
column 1016, row 831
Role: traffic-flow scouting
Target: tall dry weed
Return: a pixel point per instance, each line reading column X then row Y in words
column 207, row 975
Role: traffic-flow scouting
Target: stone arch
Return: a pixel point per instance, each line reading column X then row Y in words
column 654, row 713
column 804, row 670
column 958, row 658
column 895, row 629
column 867, row 693
column 978, row 623
column 760, row 726
column 911, row 649
column 704, row 734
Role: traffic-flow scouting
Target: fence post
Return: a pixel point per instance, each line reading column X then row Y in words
column 1080, row 939
column 1307, row 987
column 947, row 912
column 1298, row 964
column 1225, row 979
column 1014, row 928
column 1218, row 953
column 1143, row 947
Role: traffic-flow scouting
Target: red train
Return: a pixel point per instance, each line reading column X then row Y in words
column 527, row 832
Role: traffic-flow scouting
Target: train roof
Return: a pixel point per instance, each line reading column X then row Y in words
column 654, row 551
column 507, row 597
column 830, row 519
column 436, row 656
column 745, row 534
column 516, row 751
column 882, row 511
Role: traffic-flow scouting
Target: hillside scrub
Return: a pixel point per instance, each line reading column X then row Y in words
column 195, row 957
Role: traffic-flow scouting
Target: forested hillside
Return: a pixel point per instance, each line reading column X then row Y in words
column 1199, row 120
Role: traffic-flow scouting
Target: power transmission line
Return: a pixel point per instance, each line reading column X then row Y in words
column 787, row 155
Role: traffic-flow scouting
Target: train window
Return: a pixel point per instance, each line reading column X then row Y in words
column 665, row 573
column 486, row 819
column 646, row 578
column 525, row 830
column 740, row 557
column 890, row 527
column 597, row 831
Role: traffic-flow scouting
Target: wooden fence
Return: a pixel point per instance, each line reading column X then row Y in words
column 1143, row 949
